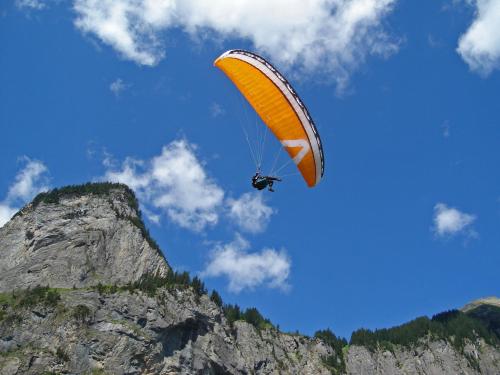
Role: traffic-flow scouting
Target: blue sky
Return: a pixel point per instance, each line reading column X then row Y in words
column 404, row 95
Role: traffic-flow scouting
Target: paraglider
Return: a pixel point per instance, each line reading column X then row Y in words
column 261, row 182
column 281, row 110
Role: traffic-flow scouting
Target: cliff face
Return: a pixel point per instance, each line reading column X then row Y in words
column 173, row 332
column 78, row 241
column 465, row 341
column 89, row 243
column 430, row 358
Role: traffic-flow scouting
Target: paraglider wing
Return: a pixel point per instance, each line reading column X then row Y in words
column 279, row 107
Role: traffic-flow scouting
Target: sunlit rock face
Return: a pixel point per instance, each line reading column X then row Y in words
column 81, row 240
column 431, row 357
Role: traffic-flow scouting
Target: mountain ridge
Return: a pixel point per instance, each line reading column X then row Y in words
column 491, row 300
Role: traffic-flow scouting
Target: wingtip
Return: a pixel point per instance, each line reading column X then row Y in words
column 222, row 56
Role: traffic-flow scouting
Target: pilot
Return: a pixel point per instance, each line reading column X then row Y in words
column 261, row 182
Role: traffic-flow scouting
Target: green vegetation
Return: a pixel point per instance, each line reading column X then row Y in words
column 232, row 313
column 10, row 302
column 38, row 295
column 335, row 362
column 107, row 289
column 12, row 319
column 81, row 313
column 101, row 188
column 198, row 286
column 255, row 318
column 62, row 355
column 251, row 315
column 150, row 283
column 453, row 326
column 489, row 315
column 97, row 371
column 6, row 299
column 216, row 298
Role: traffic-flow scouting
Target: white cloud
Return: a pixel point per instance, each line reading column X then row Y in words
column 250, row 212
column 176, row 183
column 246, row 270
column 6, row 213
column 129, row 26
column 316, row 36
column 480, row 45
column 118, row 86
column 449, row 221
column 28, row 182
column 153, row 217
column 129, row 173
column 30, row 4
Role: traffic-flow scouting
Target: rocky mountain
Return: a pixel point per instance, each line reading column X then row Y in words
column 69, row 238
column 85, row 290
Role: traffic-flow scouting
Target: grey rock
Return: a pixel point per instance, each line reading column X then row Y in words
column 429, row 357
column 77, row 242
column 174, row 332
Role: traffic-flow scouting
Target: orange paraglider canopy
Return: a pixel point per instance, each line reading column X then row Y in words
column 279, row 107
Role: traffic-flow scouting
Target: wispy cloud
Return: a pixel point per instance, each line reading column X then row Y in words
column 216, row 110
column 250, row 212
column 449, row 221
column 29, row 181
column 118, row 86
column 479, row 46
column 315, row 36
column 174, row 182
column 30, row 4
column 445, row 127
column 246, row 270
column 433, row 41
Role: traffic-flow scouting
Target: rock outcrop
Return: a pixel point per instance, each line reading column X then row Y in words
column 80, row 240
column 429, row 358
column 97, row 313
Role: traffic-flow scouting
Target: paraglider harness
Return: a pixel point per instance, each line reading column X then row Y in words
column 261, row 182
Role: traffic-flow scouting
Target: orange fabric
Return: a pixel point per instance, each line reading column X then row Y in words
column 273, row 108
